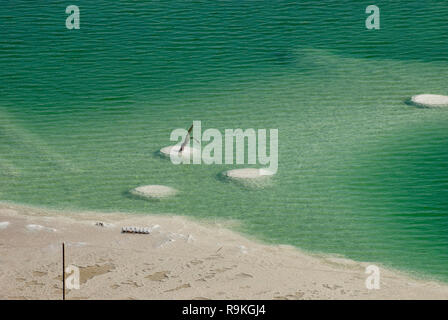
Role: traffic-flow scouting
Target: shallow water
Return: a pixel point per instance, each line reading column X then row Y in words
column 361, row 173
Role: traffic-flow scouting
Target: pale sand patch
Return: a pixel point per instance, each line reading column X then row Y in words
column 4, row 224
column 218, row 264
column 38, row 227
column 184, row 286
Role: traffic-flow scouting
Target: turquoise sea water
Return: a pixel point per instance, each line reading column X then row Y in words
column 361, row 173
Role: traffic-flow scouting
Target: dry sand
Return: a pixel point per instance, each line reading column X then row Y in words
column 180, row 259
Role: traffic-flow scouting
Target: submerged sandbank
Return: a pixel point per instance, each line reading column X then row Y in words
column 179, row 259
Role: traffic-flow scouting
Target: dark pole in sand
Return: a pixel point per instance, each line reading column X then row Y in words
column 63, row 271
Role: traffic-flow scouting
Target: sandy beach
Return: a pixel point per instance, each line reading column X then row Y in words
column 179, row 259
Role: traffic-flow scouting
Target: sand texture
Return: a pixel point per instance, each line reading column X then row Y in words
column 179, row 259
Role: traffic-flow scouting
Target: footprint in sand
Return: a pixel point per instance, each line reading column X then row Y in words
column 184, row 286
column 242, row 275
column 214, row 257
column 158, row 276
column 196, row 262
column 132, row 284
column 326, row 285
column 39, row 273
column 296, row 296
column 34, row 283
column 89, row 272
column 224, row 269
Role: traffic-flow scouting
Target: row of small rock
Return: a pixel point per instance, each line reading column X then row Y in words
column 160, row 191
column 155, row 191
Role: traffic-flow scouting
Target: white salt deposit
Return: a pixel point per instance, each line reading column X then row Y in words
column 187, row 153
column 243, row 249
column 248, row 173
column 4, row 224
column 75, row 244
column 154, row 191
column 37, row 227
column 430, row 100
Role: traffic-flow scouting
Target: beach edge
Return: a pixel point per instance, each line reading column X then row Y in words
column 181, row 258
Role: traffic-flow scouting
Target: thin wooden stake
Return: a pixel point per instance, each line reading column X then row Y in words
column 63, row 271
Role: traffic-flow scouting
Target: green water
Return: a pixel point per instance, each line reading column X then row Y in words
column 361, row 173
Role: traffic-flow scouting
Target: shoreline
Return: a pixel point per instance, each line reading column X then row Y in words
column 179, row 259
